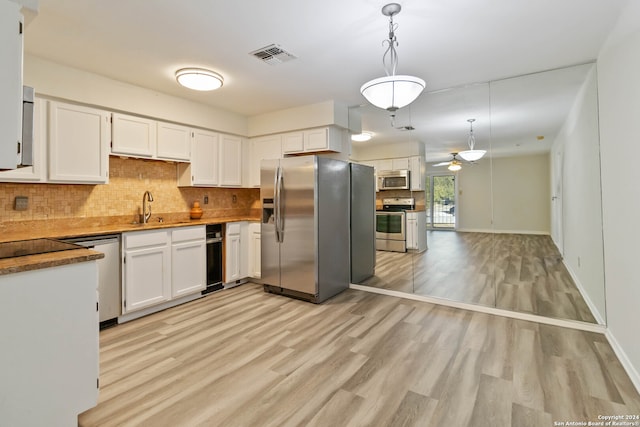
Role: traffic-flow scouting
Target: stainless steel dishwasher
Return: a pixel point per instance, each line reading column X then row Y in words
column 109, row 289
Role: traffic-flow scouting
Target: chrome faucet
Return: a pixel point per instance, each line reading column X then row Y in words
column 146, row 197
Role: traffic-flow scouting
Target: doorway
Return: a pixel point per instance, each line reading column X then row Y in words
column 441, row 202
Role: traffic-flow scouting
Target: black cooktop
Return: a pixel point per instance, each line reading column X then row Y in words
column 34, row 247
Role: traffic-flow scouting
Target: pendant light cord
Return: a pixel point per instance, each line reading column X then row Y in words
column 390, row 53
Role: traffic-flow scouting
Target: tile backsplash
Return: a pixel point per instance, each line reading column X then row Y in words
column 128, row 180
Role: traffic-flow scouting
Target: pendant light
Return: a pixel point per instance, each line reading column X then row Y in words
column 392, row 92
column 472, row 155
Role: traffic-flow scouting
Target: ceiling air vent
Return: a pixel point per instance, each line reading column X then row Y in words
column 273, row 54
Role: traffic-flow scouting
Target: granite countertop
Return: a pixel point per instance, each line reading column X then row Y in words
column 72, row 228
column 53, row 259
column 63, row 229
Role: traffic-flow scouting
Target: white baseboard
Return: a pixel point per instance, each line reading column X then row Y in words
column 572, row 324
column 149, row 310
column 624, row 359
column 592, row 307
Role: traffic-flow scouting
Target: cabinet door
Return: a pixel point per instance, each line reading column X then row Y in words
column 133, row 136
column 418, row 173
column 254, row 250
column 173, row 142
column 78, row 144
column 37, row 172
column 400, row 164
column 261, row 149
column 147, row 277
column 293, row 142
column 412, row 233
column 188, row 267
column 230, row 161
column 384, row 165
column 316, row 140
column 205, row 158
column 232, row 258
column 10, row 83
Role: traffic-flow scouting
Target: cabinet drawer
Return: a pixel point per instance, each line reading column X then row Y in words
column 233, row 228
column 140, row 239
column 184, row 234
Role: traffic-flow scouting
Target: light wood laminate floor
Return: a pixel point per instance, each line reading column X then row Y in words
column 241, row 357
column 516, row 272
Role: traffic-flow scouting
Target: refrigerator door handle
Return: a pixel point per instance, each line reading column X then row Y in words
column 279, row 216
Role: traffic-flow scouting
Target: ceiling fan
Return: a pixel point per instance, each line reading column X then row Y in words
column 453, row 165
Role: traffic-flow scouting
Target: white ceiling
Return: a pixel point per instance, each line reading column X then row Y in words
column 338, row 45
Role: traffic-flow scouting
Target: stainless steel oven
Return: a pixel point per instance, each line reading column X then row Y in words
column 214, row 258
column 391, row 233
column 391, row 224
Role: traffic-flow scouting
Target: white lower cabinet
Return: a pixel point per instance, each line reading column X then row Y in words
column 254, row 250
column 417, row 231
column 146, row 269
column 161, row 265
column 237, row 251
column 188, row 261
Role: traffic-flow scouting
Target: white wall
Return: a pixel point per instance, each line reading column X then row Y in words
column 504, row 195
column 474, row 197
column 521, row 194
column 372, row 151
column 619, row 107
column 581, row 199
column 55, row 80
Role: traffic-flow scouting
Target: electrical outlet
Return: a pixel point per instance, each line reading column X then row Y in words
column 206, row 200
column 22, row 203
column 234, row 199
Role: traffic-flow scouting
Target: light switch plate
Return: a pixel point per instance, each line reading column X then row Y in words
column 22, row 203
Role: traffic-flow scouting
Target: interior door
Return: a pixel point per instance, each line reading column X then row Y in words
column 557, row 168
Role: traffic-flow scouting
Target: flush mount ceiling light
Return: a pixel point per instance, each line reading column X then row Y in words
column 362, row 137
column 199, row 79
column 472, row 155
column 392, row 92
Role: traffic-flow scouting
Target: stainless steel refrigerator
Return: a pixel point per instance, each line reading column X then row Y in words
column 363, row 222
column 305, row 227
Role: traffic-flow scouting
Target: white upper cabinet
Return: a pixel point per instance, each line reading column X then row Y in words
column 139, row 137
column 418, row 168
column 313, row 141
column 206, row 158
column 384, row 165
column 37, row 172
column 267, row 147
column 11, row 41
column 133, row 136
column 400, row 164
column 204, row 169
column 78, row 144
column 173, row 142
column 230, row 161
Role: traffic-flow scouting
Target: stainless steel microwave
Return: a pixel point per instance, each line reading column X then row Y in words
column 394, row 180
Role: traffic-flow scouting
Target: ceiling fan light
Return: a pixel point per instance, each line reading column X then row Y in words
column 392, row 92
column 454, row 166
column 199, row 79
column 472, row 155
column 362, row 137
